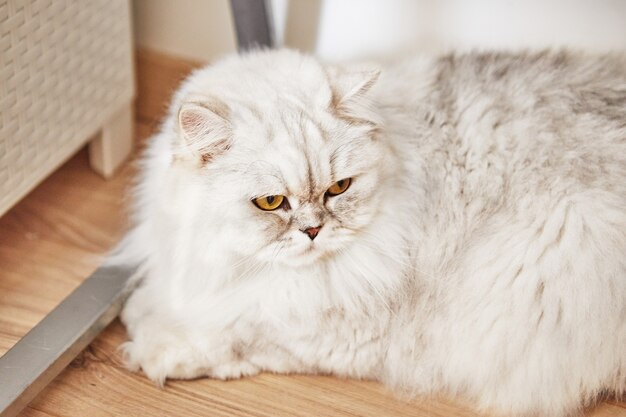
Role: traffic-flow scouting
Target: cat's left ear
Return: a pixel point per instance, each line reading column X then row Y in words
column 205, row 128
column 349, row 85
column 349, row 100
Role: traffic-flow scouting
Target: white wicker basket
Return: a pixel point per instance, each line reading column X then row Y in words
column 66, row 74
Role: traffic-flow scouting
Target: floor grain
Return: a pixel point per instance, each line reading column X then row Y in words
column 55, row 238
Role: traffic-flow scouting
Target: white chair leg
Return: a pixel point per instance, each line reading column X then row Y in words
column 109, row 149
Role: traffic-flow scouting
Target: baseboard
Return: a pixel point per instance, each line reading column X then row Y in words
column 158, row 77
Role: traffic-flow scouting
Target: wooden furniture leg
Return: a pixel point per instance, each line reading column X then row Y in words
column 110, row 148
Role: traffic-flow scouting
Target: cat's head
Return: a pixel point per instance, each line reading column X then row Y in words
column 288, row 153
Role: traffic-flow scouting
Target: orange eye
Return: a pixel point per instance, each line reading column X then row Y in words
column 339, row 187
column 269, row 203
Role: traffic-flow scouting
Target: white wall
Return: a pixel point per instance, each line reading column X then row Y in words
column 194, row 29
column 356, row 28
column 346, row 29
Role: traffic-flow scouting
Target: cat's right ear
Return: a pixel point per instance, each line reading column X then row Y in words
column 205, row 129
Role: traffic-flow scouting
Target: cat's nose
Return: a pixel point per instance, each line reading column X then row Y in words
column 312, row 231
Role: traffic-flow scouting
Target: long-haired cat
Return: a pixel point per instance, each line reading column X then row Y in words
column 445, row 225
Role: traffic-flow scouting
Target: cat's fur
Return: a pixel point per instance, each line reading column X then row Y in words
column 480, row 250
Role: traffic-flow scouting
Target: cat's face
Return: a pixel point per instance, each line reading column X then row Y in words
column 295, row 181
column 328, row 186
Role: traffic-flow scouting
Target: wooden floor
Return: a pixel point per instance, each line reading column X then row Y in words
column 55, row 238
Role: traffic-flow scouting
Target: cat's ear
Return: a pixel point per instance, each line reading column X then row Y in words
column 349, row 100
column 205, row 128
column 348, row 85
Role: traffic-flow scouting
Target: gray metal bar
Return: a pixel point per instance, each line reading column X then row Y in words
column 52, row 344
column 253, row 23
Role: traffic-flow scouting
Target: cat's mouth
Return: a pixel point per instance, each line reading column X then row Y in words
column 304, row 255
column 294, row 252
column 309, row 250
column 314, row 252
column 311, row 247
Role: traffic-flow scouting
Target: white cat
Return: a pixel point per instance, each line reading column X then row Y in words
column 453, row 224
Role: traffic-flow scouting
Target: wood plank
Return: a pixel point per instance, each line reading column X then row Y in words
column 74, row 215
column 54, row 238
column 50, row 346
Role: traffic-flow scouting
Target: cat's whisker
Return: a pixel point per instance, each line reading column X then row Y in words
column 264, row 264
column 243, row 260
column 249, row 271
column 276, row 252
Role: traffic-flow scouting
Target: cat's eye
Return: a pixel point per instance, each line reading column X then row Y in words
column 270, row 202
column 339, row 187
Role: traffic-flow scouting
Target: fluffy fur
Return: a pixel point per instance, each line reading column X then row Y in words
column 480, row 250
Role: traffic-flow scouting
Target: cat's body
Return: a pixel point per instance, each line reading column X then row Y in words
column 479, row 249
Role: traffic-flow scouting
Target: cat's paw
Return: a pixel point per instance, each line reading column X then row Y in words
column 161, row 360
column 165, row 351
column 233, row 370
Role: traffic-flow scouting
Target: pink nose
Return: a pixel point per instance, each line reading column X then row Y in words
column 312, row 231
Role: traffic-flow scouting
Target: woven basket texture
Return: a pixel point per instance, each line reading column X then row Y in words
column 65, row 68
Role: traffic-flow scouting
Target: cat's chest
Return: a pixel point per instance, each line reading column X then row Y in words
column 302, row 318
column 330, row 341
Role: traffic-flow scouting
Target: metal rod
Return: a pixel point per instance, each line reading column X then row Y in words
column 253, row 23
column 52, row 344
